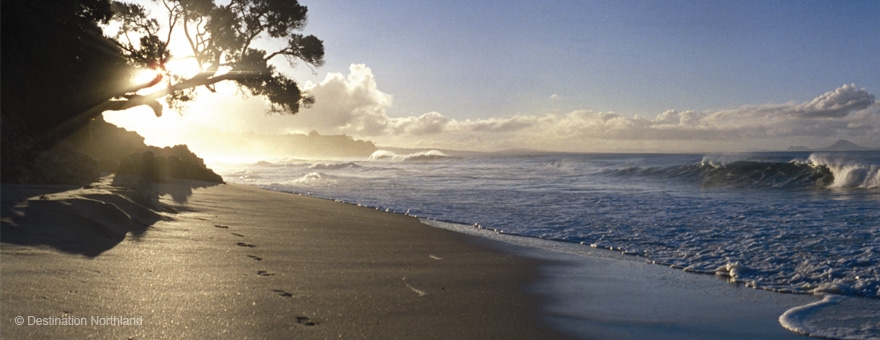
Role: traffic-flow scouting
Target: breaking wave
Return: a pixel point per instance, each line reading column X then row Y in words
column 827, row 171
column 333, row 166
column 384, row 155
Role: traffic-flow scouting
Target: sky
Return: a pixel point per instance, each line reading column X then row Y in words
column 577, row 76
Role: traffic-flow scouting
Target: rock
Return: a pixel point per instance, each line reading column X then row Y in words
column 63, row 164
column 158, row 165
column 141, row 164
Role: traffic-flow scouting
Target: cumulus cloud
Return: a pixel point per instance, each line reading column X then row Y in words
column 351, row 104
column 354, row 105
column 837, row 103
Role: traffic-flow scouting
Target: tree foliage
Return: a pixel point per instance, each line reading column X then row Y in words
column 57, row 66
column 221, row 42
column 59, row 70
column 56, row 62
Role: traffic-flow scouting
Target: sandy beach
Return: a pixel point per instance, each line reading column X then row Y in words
column 200, row 260
column 231, row 261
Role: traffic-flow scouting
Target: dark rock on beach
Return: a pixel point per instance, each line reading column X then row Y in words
column 177, row 162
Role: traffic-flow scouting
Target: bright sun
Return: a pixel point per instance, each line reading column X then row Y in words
column 144, row 76
column 185, row 68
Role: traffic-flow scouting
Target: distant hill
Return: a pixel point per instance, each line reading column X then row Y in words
column 798, row 148
column 844, row 145
column 840, row 145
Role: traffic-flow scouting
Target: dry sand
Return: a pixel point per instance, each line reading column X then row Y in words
column 228, row 261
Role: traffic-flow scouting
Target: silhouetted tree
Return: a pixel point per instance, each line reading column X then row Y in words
column 56, row 62
column 59, row 70
column 56, row 67
column 220, row 39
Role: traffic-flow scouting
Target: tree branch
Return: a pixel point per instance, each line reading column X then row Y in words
column 220, row 38
column 173, row 16
column 129, row 101
column 186, row 33
column 286, row 51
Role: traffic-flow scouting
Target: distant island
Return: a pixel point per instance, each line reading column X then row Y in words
column 840, row 145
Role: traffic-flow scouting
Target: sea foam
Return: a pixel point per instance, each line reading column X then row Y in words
column 848, row 173
column 835, row 317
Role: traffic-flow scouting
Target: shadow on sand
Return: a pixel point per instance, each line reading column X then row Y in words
column 87, row 220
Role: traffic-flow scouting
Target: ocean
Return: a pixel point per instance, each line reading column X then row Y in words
column 787, row 222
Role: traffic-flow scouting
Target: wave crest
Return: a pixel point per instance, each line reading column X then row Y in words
column 818, row 170
column 333, row 166
column 847, row 173
column 313, row 179
column 766, row 174
column 385, row 155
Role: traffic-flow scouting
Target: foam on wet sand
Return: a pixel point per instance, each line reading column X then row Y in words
column 599, row 294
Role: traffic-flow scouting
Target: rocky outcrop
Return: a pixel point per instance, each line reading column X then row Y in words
column 64, row 164
column 121, row 151
column 97, row 147
column 158, row 165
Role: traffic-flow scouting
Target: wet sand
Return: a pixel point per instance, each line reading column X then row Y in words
column 599, row 294
column 234, row 261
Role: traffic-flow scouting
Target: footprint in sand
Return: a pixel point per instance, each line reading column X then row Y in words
column 282, row 293
column 256, row 258
column 302, row 320
column 265, row 273
column 248, row 245
column 221, row 226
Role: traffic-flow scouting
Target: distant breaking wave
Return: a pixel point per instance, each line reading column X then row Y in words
column 817, row 171
column 766, row 174
column 384, row 155
column 334, row 166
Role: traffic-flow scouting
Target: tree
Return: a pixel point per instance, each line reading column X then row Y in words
column 220, row 40
column 59, row 70
column 56, row 62
column 56, row 67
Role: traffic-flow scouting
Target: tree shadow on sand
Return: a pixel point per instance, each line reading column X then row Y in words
column 88, row 220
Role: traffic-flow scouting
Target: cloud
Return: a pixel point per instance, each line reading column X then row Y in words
column 354, row 105
column 351, row 104
column 426, row 124
column 837, row 103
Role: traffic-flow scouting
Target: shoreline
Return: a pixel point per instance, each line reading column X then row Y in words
column 239, row 261
column 597, row 293
column 550, row 289
column 762, row 310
